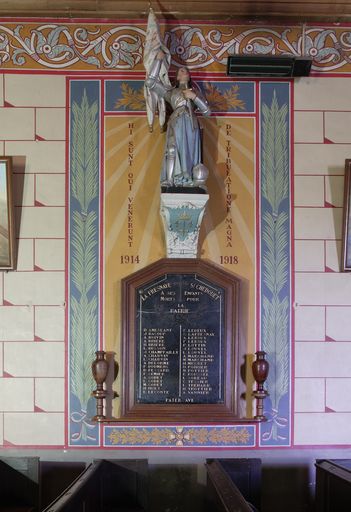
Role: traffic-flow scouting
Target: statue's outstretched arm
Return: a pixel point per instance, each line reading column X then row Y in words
column 152, row 82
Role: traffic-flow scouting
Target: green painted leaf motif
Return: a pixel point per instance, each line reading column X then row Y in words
column 60, row 49
column 275, row 235
column 94, row 61
column 17, row 31
column 84, row 245
column 131, row 47
column 17, row 57
column 127, row 58
column 41, row 40
column 275, row 261
column 84, row 156
column 97, row 48
column 54, row 35
column 275, row 157
column 83, row 332
column 4, row 41
column 275, row 324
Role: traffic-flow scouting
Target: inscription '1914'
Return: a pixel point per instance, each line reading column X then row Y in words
column 129, row 259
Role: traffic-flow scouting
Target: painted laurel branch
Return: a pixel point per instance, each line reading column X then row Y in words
column 99, row 47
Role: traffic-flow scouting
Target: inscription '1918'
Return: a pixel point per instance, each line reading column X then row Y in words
column 229, row 260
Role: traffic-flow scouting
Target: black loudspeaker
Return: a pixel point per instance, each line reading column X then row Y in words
column 268, row 66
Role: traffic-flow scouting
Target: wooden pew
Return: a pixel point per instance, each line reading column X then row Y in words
column 333, row 484
column 106, row 486
column 55, row 477
column 222, row 494
column 19, row 489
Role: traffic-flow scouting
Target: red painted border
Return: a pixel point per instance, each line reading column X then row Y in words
column 292, row 263
column 67, row 161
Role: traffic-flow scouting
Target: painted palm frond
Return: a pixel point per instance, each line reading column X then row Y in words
column 83, row 331
column 84, row 257
column 84, row 156
column 275, row 259
column 275, row 324
column 83, row 251
column 275, row 248
column 275, row 155
column 282, row 350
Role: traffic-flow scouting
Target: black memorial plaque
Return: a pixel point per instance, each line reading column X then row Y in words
column 179, row 331
column 179, row 343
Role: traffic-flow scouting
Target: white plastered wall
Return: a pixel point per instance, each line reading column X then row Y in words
column 323, row 293
column 32, row 309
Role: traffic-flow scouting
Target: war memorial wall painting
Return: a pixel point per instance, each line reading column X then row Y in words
column 236, row 237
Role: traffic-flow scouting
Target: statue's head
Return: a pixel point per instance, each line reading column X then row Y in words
column 183, row 76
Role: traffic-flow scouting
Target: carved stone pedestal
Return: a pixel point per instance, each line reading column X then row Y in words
column 182, row 216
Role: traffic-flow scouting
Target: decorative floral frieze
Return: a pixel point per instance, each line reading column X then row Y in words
column 105, row 47
column 180, row 436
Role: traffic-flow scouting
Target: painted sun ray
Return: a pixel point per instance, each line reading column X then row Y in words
column 147, row 238
column 112, row 132
column 244, row 131
column 246, row 152
column 240, row 173
column 219, row 179
column 240, row 223
column 210, row 227
column 244, row 231
column 116, row 226
column 118, row 173
column 211, row 238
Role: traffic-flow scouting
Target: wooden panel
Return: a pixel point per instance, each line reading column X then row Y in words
column 133, row 408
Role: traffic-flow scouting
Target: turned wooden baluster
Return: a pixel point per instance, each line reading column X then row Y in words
column 260, row 369
column 100, row 369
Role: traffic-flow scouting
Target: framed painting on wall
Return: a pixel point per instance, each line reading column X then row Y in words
column 7, row 235
column 346, row 232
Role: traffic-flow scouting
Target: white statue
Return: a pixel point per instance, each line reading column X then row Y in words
column 182, row 165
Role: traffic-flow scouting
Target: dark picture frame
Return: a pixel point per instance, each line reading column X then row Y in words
column 7, row 232
column 346, row 230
